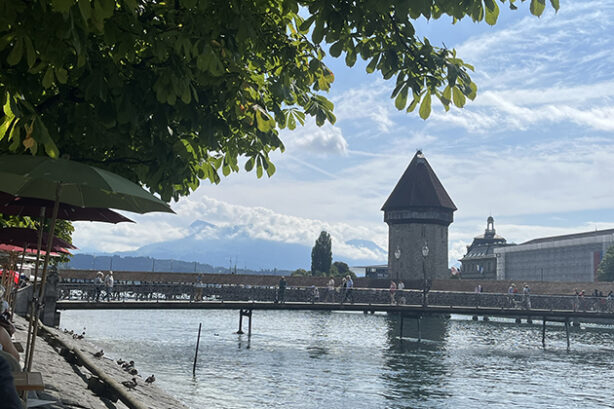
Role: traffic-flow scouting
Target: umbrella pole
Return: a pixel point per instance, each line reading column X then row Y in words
column 34, row 301
column 23, row 258
column 41, row 291
column 10, row 279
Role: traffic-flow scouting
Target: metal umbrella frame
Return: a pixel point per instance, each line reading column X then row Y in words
column 27, row 206
column 73, row 183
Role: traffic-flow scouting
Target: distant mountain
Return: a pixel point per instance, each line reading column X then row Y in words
column 366, row 244
column 200, row 225
column 210, row 248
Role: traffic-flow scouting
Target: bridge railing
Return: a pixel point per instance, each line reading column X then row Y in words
column 144, row 291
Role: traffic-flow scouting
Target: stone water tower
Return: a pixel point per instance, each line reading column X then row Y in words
column 418, row 213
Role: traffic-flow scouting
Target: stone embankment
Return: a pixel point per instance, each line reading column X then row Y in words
column 68, row 366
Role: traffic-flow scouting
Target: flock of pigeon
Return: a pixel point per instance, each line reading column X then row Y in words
column 129, row 367
column 74, row 334
column 126, row 366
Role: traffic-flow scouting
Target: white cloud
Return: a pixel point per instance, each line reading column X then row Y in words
column 552, row 70
column 369, row 102
column 254, row 222
column 103, row 237
column 263, row 223
column 323, row 140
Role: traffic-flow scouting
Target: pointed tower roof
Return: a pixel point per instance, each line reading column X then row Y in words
column 419, row 187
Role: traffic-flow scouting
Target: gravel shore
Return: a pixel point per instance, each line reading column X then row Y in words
column 66, row 383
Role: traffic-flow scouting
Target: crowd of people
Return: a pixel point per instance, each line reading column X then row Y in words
column 344, row 290
column 104, row 282
column 397, row 289
column 525, row 300
column 598, row 302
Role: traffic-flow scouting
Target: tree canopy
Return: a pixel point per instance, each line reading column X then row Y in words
column 322, row 255
column 341, row 269
column 167, row 93
column 605, row 271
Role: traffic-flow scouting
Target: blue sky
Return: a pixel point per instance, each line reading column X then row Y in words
column 534, row 150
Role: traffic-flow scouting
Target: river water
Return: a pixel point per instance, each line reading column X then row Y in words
column 350, row 360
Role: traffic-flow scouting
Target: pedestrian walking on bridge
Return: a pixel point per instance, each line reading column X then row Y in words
column 349, row 285
column 108, row 283
column 281, row 291
column 526, row 297
column 330, row 294
column 393, row 289
column 98, row 284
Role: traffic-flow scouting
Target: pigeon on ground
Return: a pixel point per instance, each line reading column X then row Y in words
column 133, row 371
column 130, row 384
column 99, row 354
column 150, row 379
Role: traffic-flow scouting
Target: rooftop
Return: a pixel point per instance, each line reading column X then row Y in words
column 419, row 187
column 595, row 233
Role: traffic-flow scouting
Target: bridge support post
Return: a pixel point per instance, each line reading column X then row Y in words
column 567, row 332
column 240, row 331
column 249, row 324
column 544, row 332
column 401, row 318
column 248, row 314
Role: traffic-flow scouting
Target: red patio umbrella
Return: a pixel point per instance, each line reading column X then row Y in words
column 5, row 248
column 23, row 237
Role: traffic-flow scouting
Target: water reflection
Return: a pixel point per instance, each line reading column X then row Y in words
column 244, row 341
column 414, row 372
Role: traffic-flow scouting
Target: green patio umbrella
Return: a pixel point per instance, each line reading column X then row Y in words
column 74, row 183
column 81, row 185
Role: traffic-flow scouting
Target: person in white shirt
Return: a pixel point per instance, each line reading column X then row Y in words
column 348, row 289
column 330, row 295
column 108, row 283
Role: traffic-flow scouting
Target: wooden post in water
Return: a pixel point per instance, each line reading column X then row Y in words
column 544, row 332
column 419, row 329
column 240, row 331
column 249, row 325
column 567, row 332
column 401, row 326
column 196, row 354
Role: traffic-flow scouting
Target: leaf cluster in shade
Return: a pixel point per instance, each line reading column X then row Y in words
column 605, row 271
column 168, row 93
